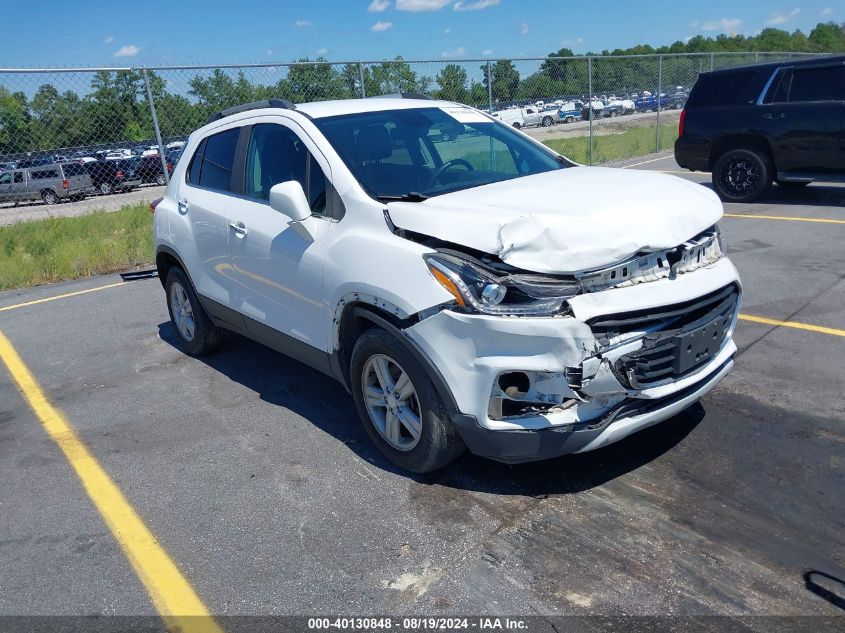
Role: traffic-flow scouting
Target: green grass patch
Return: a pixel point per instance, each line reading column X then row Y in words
column 56, row 249
column 635, row 141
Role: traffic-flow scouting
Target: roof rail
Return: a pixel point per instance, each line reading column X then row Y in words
column 405, row 95
column 255, row 105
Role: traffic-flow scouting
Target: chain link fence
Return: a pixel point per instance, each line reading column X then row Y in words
column 592, row 109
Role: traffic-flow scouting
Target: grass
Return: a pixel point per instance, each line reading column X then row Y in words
column 56, row 249
column 635, row 141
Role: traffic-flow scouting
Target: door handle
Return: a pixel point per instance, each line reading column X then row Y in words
column 239, row 228
column 769, row 115
column 183, row 206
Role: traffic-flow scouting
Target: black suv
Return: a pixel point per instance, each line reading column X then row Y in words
column 109, row 176
column 750, row 125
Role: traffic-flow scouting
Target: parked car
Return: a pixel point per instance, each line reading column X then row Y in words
column 110, row 176
column 595, row 109
column 149, row 170
column 500, row 324
column 571, row 112
column 514, row 117
column 651, row 103
column 8, row 166
column 752, row 125
column 50, row 183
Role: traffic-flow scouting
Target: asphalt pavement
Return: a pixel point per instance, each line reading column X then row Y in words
column 255, row 476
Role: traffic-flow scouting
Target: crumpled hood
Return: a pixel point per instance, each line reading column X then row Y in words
column 568, row 220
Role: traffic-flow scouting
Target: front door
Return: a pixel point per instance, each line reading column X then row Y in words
column 279, row 270
column 804, row 118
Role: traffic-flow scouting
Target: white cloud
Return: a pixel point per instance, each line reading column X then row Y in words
column 827, row 11
column 474, row 6
column 130, row 50
column 378, row 27
column 447, row 30
column 782, row 18
column 301, row 24
column 458, row 52
column 421, row 5
column 322, row 51
column 377, row 6
column 731, row 25
column 687, row 39
column 269, row 52
column 487, row 52
column 109, row 39
column 694, row 24
column 523, row 28
column 573, row 42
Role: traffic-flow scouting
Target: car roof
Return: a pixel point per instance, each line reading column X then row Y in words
column 803, row 61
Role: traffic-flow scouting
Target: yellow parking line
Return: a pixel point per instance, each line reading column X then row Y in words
column 171, row 594
column 793, row 324
column 63, row 296
column 783, row 217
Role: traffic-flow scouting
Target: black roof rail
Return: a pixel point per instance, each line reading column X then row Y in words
column 255, row 105
column 405, row 95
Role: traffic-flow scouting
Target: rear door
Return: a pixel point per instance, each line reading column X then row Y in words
column 803, row 115
column 78, row 179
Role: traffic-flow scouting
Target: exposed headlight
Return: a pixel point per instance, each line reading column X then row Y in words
column 476, row 289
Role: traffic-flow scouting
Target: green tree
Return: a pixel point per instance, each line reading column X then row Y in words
column 504, row 80
column 452, row 82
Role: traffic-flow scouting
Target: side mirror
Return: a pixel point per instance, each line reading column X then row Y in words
column 289, row 199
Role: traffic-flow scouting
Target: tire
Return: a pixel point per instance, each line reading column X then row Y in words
column 106, row 188
column 741, row 175
column 791, row 184
column 160, row 180
column 49, row 197
column 437, row 443
column 517, row 125
column 613, row 114
column 196, row 333
column 547, row 121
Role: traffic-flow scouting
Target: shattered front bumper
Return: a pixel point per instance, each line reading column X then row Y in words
column 581, row 399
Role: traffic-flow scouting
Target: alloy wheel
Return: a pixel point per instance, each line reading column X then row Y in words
column 391, row 402
column 740, row 176
column 183, row 313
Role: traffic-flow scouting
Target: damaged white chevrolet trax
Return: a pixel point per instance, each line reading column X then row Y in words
column 471, row 288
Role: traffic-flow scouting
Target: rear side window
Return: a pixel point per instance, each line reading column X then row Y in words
column 818, row 84
column 18, row 176
column 726, row 89
column 194, row 168
column 218, row 159
column 44, row 174
column 73, row 170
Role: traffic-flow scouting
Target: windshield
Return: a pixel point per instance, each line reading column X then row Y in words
column 430, row 151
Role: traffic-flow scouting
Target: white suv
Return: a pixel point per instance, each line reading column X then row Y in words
column 469, row 286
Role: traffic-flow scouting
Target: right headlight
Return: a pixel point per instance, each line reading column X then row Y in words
column 476, row 289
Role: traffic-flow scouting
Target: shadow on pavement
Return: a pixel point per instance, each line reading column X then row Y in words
column 320, row 399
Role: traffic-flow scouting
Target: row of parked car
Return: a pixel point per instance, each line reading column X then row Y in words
column 73, row 179
column 559, row 111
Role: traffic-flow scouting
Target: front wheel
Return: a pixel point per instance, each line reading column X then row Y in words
column 547, row 121
column 106, row 188
column 398, row 405
column 517, row 125
column 197, row 334
column 160, row 180
column 49, row 197
column 741, row 175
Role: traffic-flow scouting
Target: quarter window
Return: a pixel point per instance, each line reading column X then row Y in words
column 818, row 84
column 218, row 159
column 6, row 179
column 18, row 176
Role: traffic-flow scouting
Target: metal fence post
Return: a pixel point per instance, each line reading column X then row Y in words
column 361, row 79
column 155, row 127
column 590, row 102
column 659, row 102
column 489, row 88
column 711, row 60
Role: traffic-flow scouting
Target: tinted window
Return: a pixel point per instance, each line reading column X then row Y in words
column 196, row 164
column 47, row 173
column 218, row 159
column 18, row 176
column 818, row 84
column 275, row 155
column 73, row 170
column 726, row 89
column 5, row 179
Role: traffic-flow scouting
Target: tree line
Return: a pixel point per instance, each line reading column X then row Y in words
column 115, row 109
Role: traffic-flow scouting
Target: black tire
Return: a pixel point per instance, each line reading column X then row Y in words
column 439, row 442
column 49, row 197
column 741, row 175
column 206, row 336
column 517, row 125
column 106, row 188
column 792, row 184
column 160, row 180
column 547, row 121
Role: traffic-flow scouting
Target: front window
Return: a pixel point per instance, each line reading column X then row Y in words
column 431, row 151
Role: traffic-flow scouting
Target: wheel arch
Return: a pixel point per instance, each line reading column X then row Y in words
column 167, row 258
column 754, row 142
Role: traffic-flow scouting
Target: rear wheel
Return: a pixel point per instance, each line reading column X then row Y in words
column 517, row 125
column 547, row 121
column 399, row 406
column 49, row 196
column 106, row 188
column 197, row 334
column 160, row 179
column 741, row 175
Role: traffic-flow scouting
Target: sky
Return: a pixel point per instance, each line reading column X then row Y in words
column 155, row 32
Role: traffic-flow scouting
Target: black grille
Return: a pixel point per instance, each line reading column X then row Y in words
column 680, row 338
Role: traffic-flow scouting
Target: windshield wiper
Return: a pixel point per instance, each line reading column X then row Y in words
column 411, row 196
